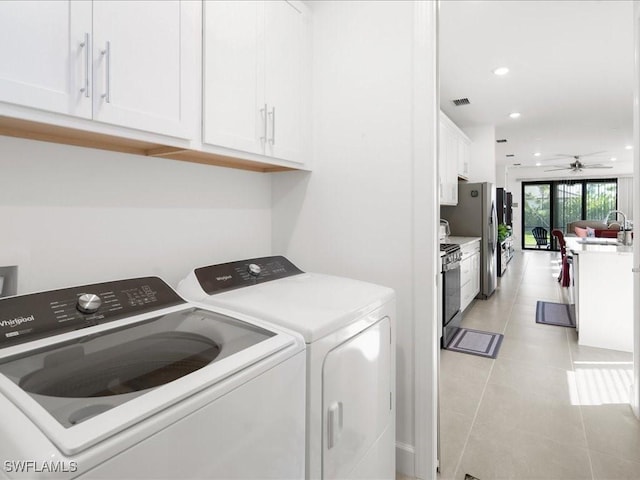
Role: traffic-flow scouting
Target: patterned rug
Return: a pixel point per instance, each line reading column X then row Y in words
column 560, row 314
column 475, row 342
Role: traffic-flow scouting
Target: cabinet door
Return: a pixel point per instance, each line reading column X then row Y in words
column 464, row 154
column 465, row 271
column 234, row 105
column 44, row 58
column 141, row 67
column 475, row 273
column 287, row 66
column 448, row 164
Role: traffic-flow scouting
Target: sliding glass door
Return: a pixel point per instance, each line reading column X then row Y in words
column 568, row 204
column 536, row 218
column 555, row 204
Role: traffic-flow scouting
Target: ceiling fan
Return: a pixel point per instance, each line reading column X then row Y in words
column 577, row 165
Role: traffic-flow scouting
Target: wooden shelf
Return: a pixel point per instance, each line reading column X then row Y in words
column 12, row 127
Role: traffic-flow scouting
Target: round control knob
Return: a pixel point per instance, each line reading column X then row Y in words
column 254, row 269
column 89, row 303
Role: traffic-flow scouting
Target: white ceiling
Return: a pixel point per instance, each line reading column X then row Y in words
column 571, row 76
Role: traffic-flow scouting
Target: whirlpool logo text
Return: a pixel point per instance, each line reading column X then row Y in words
column 14, row 322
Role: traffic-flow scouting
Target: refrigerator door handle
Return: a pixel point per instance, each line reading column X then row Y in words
column 492, row 227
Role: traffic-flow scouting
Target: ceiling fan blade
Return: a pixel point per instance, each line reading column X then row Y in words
column 574, row 156
column 557, row 169
column 597, row 166
column 591, row 154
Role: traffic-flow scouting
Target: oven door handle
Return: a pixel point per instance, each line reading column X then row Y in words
column 451, row 266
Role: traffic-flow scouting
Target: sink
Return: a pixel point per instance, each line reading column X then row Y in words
column 597, row 241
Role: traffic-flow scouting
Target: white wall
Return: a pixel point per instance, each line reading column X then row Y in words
column 483, row 154
column 355, row 214
column 72, row 215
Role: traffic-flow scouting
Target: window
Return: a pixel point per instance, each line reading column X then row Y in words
column 555, row 204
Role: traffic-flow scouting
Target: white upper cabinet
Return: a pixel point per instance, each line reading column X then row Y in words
column 140, row 58
column 257, row 77
column 126, row 63
column 448, row 163
column 234, row 116
column 464, row 156
column 44, row 47
column 287, row 79
column 453, row 159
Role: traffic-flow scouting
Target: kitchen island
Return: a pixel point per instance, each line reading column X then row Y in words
column 603, row 292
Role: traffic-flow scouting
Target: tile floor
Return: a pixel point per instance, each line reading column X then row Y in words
column 546, row 408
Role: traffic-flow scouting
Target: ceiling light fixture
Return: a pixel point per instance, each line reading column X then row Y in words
column 538, row 164
column 613, row 159
column 628, row 147
column 537, row 154
column 514, row 115
column 501, row 71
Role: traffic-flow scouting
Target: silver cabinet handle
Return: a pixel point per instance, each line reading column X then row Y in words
column 272, row 113
column 106, row 53
column 85, row 46
column 263, row 114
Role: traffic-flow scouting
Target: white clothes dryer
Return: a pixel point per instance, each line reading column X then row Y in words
column 125, row 379
column 349, row 328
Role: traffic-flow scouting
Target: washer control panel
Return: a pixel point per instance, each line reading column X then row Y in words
column 38, row 315
column 229, row 276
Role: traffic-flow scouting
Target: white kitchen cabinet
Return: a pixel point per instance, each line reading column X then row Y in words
column 469, row 273
column 256, row 77
column 464, row 156
column 45, row 62
column 448, row 163
column 454, row 158
column 126, row 63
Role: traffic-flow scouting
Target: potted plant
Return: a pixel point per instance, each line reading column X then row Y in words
column 503, row 232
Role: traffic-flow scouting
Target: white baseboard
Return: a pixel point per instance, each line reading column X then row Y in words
column 405, row 459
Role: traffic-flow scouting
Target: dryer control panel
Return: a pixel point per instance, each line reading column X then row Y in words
column 38, row 315
column 229, row 276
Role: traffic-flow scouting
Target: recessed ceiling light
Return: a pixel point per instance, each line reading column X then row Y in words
column 613, row 159
column 514, row 115
column 537, row 154
column 628, row 147
column 538, row 164
column 501, row 71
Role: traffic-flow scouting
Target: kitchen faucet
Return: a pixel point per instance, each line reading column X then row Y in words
column 624, row 218
column 624, row 236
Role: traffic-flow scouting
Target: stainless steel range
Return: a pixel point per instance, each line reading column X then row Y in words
column 451, row 315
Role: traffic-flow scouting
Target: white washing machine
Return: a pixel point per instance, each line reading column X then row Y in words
column 125, row 379
column 349, row 328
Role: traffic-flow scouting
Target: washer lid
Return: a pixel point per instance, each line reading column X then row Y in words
column 82, row 387
column 312, row 304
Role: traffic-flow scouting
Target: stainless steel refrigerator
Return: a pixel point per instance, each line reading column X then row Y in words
column 475, row 216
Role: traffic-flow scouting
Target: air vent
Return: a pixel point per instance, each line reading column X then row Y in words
column 458, row 102
column 501, row 140
column 517, row 164
column 509, row 155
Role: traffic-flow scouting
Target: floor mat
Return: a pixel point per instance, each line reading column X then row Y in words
column 560, row 314
column 475, row 342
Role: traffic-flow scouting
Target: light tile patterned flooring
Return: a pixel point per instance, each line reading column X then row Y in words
column 546, row 408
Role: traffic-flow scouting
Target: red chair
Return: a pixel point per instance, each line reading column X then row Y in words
column 564, row 271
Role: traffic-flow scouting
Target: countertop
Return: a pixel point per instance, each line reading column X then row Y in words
column 596, row 245
column 462, row 240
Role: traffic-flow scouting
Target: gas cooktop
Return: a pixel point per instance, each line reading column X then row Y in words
column 449, row 247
